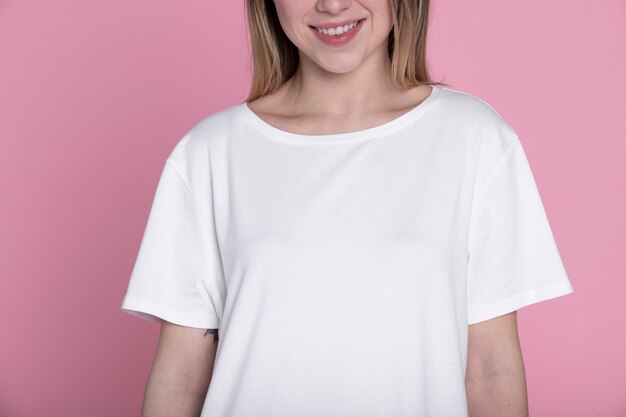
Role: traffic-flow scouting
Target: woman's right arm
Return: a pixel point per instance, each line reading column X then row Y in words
column 181, row 372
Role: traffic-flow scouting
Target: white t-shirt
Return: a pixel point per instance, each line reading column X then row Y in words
column 342, row 270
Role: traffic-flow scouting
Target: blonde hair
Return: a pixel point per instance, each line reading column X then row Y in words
column 275, row 57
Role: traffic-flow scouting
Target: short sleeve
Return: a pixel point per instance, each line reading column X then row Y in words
column 172, row 278
column 513, row 260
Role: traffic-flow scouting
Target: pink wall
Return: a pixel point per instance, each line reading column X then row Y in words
column 93, row 95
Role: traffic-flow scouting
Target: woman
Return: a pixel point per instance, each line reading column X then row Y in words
column 360, row 236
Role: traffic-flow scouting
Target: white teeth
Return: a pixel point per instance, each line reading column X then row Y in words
column 338, row 30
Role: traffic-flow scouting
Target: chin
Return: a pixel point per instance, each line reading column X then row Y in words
column 340, row 68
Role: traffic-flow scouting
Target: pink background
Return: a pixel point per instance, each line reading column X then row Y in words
column 93, row 95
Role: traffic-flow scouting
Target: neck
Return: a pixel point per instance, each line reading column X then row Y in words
column 314, row 90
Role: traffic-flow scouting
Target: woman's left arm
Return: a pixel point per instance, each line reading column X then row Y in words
column 495, row 380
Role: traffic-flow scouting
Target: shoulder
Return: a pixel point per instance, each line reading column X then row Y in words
column 472, row 110
column 206, row 133
column 478, row 122
column 197, row 146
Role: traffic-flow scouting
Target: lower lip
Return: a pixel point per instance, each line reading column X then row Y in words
column 338, row 40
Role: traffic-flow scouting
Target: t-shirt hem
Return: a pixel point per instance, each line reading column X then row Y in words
column 156, row 312
column 516, row 302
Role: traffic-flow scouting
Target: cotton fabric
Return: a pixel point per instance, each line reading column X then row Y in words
column 343, row 270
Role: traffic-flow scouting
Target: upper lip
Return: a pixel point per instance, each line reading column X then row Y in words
column 334, row 25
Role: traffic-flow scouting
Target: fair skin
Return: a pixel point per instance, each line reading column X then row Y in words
column 181, row 372
column 495, row 379
column 336, row 90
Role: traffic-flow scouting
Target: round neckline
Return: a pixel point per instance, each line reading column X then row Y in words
column 367, row 133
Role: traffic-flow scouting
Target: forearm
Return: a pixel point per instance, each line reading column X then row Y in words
column 502, row 393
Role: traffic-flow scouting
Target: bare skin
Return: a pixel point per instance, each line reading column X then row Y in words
column 215, row 334
column 181, row 371
column 279, row 110
column 495, row 380
column 336, row 92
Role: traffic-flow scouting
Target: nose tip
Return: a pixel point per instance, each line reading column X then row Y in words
column 333, row 6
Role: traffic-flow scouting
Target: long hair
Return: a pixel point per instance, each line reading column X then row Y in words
column 275, row 57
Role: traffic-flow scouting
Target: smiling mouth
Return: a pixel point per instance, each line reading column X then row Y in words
column 339, row 30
